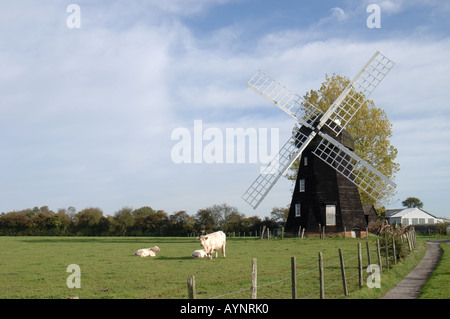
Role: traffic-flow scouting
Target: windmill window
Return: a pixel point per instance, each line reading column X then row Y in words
column 305, row 161
column 302, row 186
column 298, row 210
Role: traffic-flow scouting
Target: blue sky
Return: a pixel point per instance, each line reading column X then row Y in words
column 86, row 114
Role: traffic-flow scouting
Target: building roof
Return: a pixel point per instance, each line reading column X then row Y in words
column 405, row 211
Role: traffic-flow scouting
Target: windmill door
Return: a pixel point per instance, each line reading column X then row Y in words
column 330, row 214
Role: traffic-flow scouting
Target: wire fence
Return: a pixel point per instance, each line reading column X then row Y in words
column 342, row 273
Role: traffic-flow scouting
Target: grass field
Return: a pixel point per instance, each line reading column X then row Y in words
column 438, row 286
column 35, row 267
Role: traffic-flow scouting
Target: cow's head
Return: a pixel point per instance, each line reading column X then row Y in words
column 155, row 249
column 203, row 240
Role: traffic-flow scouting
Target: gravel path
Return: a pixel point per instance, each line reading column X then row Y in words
column 412, row 284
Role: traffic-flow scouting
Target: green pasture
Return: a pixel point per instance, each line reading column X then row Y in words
column 438, row 285
column 35, row 267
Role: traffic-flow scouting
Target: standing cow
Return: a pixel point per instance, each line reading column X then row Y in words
column 213, row 242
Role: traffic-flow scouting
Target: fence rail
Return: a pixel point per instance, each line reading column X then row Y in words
column 346, row 269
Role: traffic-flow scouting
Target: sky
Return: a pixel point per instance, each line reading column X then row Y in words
column 92, row 97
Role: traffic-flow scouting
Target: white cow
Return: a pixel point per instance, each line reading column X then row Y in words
column 200, row 253
column 147, row 252
column 213, row 242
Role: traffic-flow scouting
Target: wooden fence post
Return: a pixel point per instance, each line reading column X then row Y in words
column 303, row 233
column 322, row 284
column 191, row 287
column 254, row 278
column 360, row 271
column 386, row 251
column 379, row 256
column 262, row 232
column 408, row 237
column 368, row 252
column 294, row 277
column 394, row 252
column 344, row 279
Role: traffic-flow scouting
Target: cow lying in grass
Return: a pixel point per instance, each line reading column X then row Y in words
column 201, row 253
column 147, row 252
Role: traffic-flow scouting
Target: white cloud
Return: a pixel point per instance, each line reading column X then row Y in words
column 337, row 15
column 186, row 7
column 391, row 7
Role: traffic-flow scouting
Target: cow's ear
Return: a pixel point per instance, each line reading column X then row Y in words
column 206, row 238
column 198, row 238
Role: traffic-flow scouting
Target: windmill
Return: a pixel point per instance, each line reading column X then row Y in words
column 330, row 173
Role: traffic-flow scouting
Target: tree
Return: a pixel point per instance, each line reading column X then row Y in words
column 71, row 212
column 42, row 222
column 149, row 222
column 14, row 223
column 88, row 220
column 221, row 213
column 124, row 220
column 280, row 215
column 370, row 128
column 412, row 202
column 61, row 222
column 269, row 223
column 234, row 222
column 252, row 224
column 143, row 211
column 215, row 217
column 205, row 220
column 180, row 224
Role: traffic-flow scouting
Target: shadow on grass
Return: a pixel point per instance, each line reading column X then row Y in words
column 174, row 258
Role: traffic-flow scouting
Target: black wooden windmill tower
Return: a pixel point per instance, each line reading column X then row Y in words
column 330, row 173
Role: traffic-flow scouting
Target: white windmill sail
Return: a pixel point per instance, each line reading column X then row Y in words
column 279, row 165
column 355, row 94
column 354, row 168
column 336, row 118
column 288, row 101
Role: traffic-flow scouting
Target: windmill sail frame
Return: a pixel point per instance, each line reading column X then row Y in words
column 338, row 115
